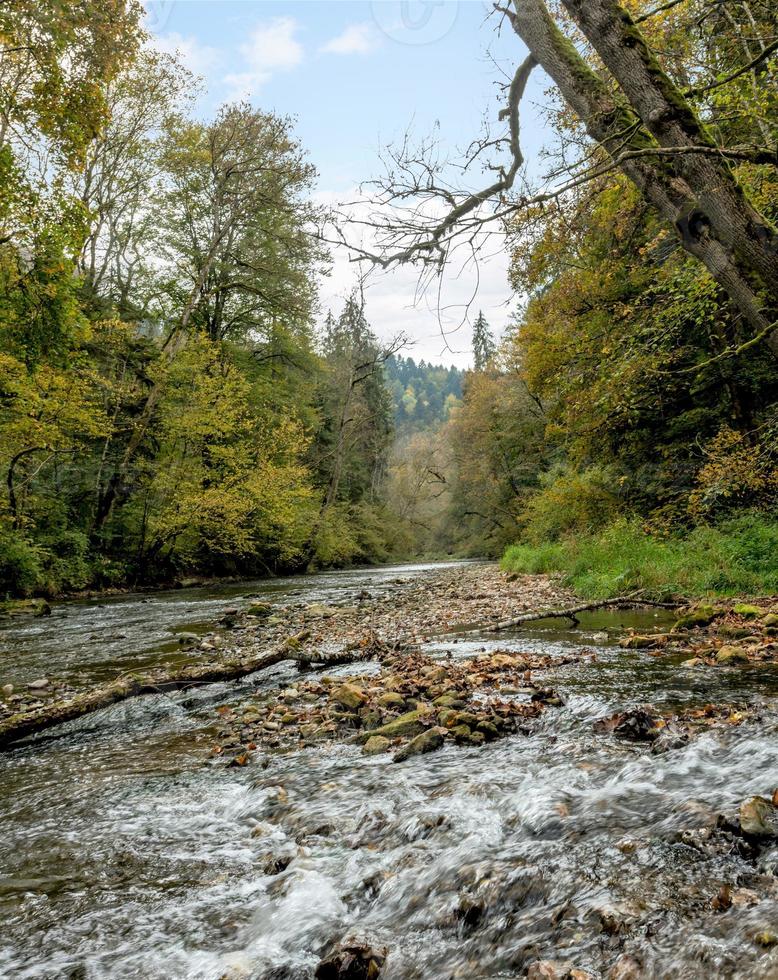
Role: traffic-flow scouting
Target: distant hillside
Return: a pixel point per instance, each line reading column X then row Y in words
column 423, row 394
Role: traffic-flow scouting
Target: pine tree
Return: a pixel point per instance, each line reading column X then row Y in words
column 484, row 346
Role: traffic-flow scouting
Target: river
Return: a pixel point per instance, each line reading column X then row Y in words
column 126, row 851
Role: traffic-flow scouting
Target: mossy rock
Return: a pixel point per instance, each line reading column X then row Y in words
column 461, row 734
column 259, row 609
column 489, row 730
column 636, row 642
column 735, row 632
column 25, row 607
column 748, row 611
column 449, row 700
column 731, row 655
column 701, row 616
column 349, row 695
column 771, row 619
column 376, row 744
column 391, row 699
column 411, row 723
column 427, row 741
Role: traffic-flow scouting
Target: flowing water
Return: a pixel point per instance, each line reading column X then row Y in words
column 126, row 852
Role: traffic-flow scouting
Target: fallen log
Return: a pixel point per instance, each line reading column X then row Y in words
column 27, row 723
column 571, row 612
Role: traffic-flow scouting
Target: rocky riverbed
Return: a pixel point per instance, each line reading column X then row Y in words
column 410, row 795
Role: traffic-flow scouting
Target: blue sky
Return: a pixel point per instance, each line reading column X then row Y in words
column 356, row 75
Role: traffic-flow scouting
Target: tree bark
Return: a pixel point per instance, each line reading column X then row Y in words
column 694, row 192
column 28, row 723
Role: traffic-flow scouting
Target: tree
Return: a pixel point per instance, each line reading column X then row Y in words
column 483, row 343
column 643, row 123
column 351, row 457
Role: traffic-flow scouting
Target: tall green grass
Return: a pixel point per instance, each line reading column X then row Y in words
column 739, row 557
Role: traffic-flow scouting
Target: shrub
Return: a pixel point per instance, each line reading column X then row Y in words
column 739, row 556
column 571, row 501
column 21, row 571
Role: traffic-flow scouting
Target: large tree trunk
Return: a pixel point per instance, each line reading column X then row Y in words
column 696, row 193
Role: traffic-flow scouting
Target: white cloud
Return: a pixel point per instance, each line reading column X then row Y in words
column 271, row 47
column 198, row 58
column 356, row 39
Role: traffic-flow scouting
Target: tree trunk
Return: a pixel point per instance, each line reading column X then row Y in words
column 695, row 193
column 28, row 723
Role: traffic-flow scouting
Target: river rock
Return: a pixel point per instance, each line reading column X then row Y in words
column 25, row 607
column 349, row 695
column 759, row 817
column 188, row 639
column 391, row 699
column 555, row 970
column 375, row 745
column 731, row 655
column 428, row 741
column 636, row 642
column 259, row 609
column 39, row 684
column 353, row 960
column 7, row 690
column 411, row 723
column 461, row 734
column 771, row 619
column 701, row 616
column 318, row 610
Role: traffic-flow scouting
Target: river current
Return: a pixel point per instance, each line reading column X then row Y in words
column 126, row 851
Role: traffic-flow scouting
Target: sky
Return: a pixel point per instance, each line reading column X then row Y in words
column 356, row 75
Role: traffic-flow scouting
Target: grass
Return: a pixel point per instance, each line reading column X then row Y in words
column 739, row 557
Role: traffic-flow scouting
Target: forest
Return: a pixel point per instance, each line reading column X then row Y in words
column 174, row 401
column 389, row 531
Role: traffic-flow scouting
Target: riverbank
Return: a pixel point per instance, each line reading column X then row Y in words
column 736, row 558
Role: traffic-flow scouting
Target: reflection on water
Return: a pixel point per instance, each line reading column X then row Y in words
column 88, row 640
column 123, row 854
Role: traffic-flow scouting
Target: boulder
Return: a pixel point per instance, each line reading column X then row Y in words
column 759, row 817
column 375, row 745
column 428, row 741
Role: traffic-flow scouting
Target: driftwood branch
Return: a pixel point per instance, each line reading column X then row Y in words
column 157, row 681
column 571, row 612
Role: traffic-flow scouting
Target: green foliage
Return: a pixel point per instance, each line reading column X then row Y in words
column 424, row 395
column 739, row 556
column 21, row 564
column 569, row 500
column 162, row 404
